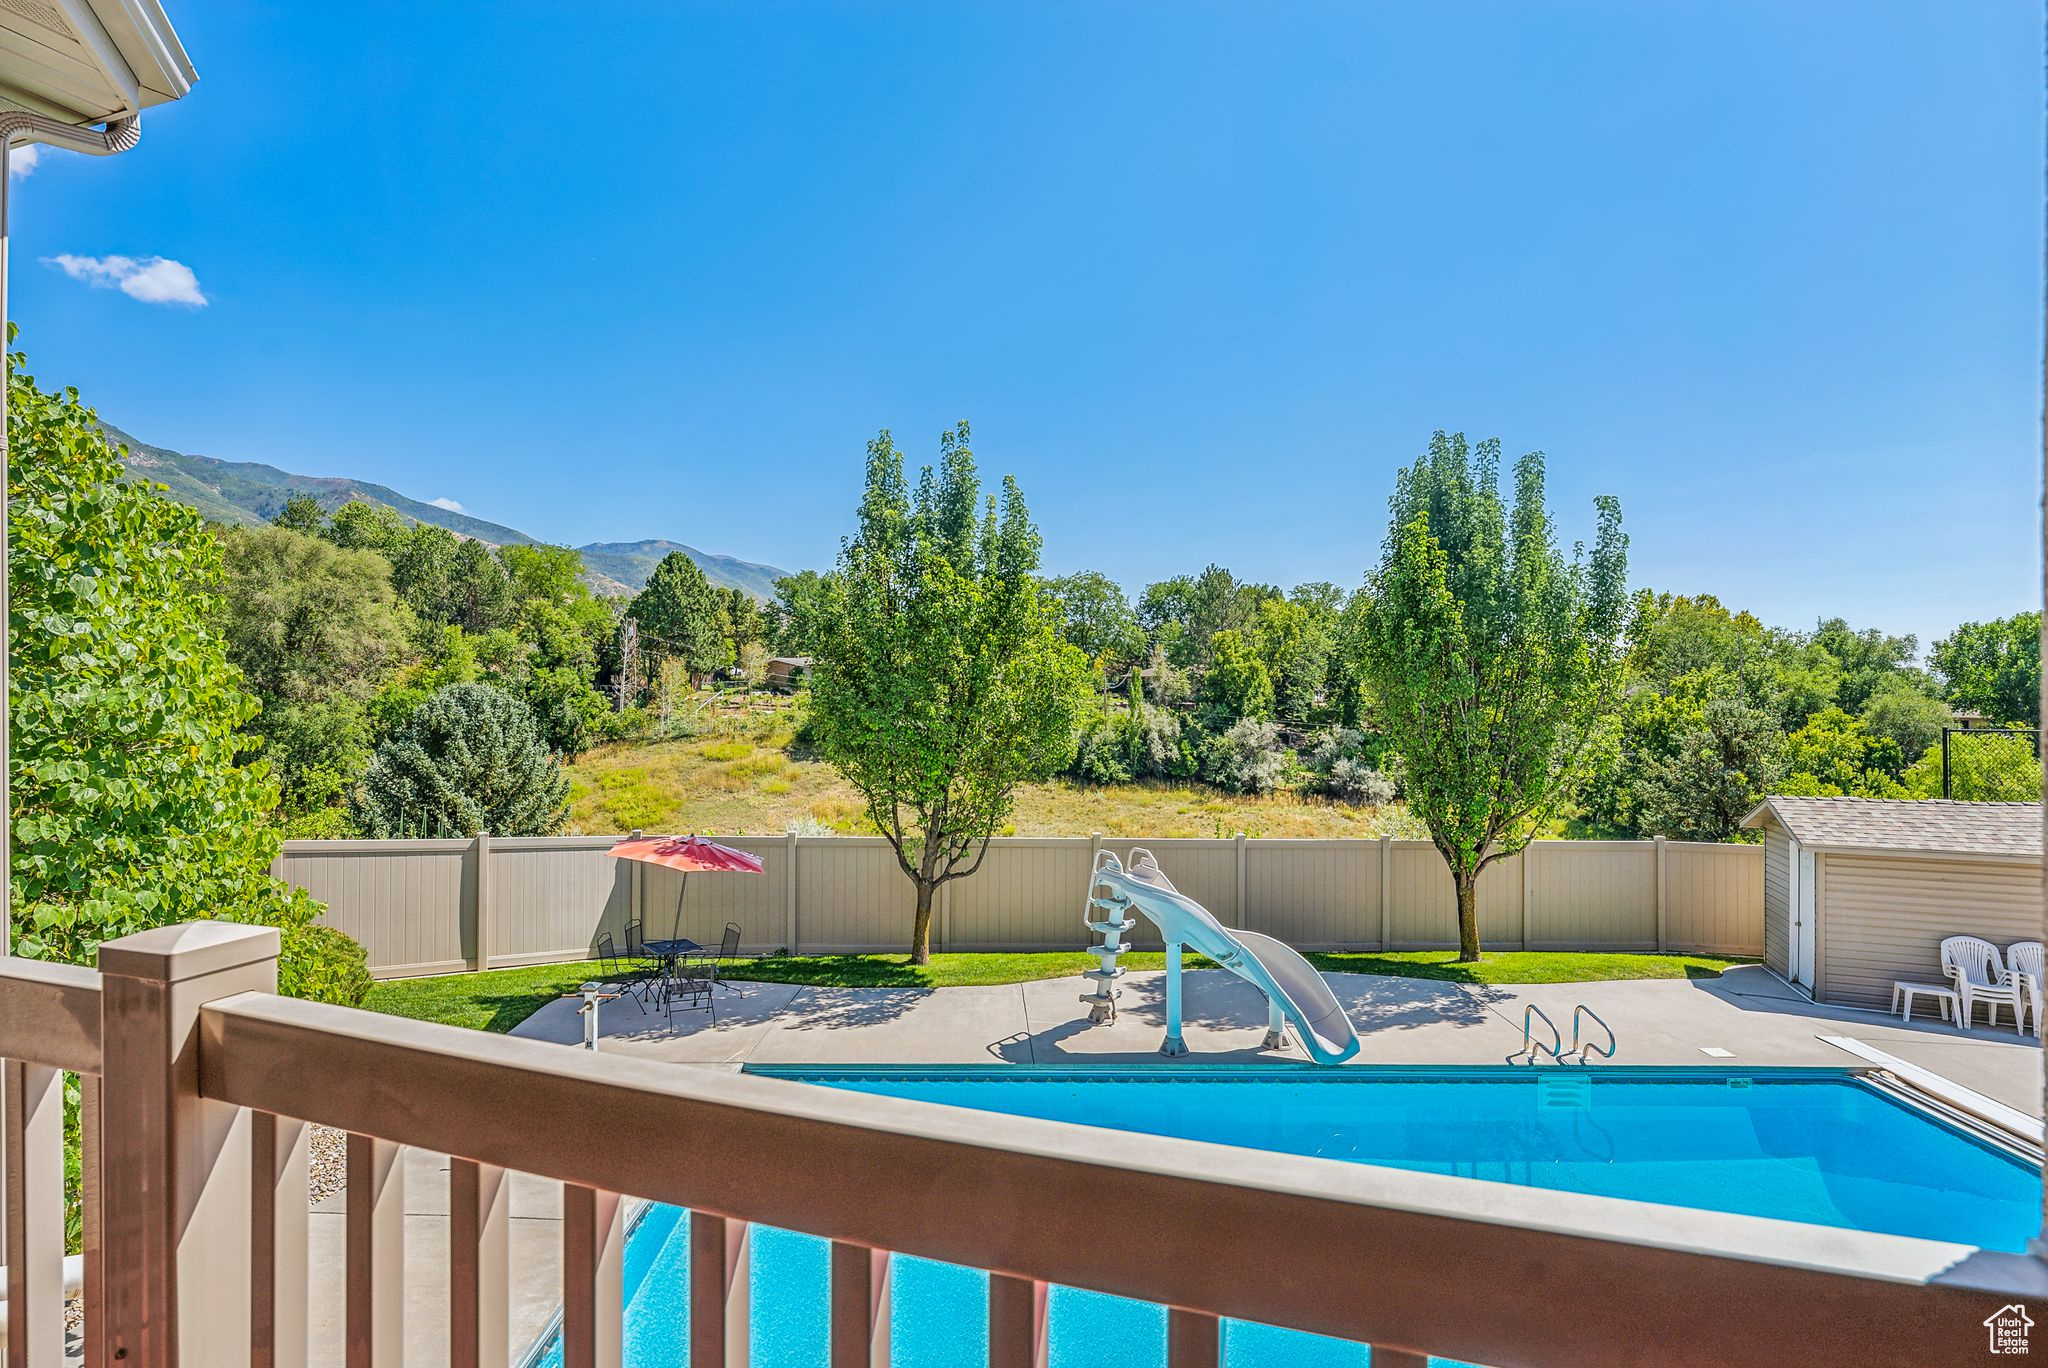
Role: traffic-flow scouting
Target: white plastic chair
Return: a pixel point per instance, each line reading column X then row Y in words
column 2028, row 962
column 1978, row 971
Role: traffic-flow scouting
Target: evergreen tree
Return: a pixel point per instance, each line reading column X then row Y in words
column 678, row 614
column 470, row 759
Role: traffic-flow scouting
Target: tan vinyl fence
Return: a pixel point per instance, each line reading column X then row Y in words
column 435, row 907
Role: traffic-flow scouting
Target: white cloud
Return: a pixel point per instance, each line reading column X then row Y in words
column 153, row 280
column 22, row 160
column 449, row 504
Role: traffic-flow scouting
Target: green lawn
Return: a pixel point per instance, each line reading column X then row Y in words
column 502, row 998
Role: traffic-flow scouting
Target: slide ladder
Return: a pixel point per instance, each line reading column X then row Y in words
column 1297, row 997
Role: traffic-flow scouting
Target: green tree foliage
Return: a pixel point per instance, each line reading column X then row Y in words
column 1867, row 660
column 792, row 620
column 360, row 525
column 1492, row 660
column 301, row 513
column 1903, row 712
column 131, row 807
column 315, row 630
column 1722, row 760
column 1296, row 638
column 480, row 597
column 1184, row 614
column 1236, row 685
column 678, row 615
column 941, row 681
column 1994, row 668
column 470, row 759
column 1095, row 616
column 1834, row 754
column 549, row 574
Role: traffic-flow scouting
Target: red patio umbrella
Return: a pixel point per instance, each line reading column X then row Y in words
column 688, row 854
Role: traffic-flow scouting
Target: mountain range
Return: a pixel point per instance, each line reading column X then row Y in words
column 246, row 493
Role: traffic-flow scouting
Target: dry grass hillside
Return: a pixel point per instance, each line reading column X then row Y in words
column 743, row 777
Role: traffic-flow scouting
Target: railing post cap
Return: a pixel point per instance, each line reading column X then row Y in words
column 188, row 950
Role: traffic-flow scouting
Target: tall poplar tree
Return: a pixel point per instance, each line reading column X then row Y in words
column 940, row 680
column 1491, row 658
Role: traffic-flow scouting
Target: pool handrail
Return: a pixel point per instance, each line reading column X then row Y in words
column 1531, row 1047
column 1578, row 1053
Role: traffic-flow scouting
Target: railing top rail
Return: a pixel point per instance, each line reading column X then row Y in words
column 50, row 1014
column 1364, row 1249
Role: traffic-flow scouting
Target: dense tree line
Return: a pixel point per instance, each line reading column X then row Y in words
column 1715, row 709
column 406, row 676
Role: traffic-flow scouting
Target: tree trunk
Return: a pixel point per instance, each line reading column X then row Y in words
column 1468, row 916
column 921, row 929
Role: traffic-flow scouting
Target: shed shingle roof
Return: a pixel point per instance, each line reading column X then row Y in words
column 1932, row 825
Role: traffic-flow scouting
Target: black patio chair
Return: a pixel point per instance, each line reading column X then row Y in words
column 728, row 949
column 689, row 985
column 630, row 979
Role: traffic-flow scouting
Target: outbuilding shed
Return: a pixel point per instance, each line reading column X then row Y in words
column 1859, row 892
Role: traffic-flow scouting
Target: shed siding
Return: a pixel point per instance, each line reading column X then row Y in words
column 1777, row 899
column 1884, row 917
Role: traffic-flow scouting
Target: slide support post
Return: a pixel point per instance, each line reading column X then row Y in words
column 1174, row 1046
column 1276, row 1026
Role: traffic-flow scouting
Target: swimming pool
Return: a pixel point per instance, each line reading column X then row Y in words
column 1822, row 1146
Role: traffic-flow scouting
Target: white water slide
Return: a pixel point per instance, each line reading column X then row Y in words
column 1296, row 995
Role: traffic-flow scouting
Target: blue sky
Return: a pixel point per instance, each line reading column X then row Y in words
column 1201, row 275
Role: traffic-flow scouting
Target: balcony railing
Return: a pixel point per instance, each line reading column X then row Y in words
column 198, row 1082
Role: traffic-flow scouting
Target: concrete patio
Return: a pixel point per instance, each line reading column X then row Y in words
column 1748, row 1012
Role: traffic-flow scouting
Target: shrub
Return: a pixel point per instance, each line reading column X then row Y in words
column 1246, row 759
column 321, row 964
column 1100, row 758
column 321, row 824
column 1159, row 747
column 1343, row 766
column 470, row 759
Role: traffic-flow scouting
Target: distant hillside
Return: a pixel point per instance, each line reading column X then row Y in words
column 247, row 493
column 632, row 562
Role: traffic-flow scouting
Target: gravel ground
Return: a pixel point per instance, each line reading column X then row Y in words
column 327, row 1162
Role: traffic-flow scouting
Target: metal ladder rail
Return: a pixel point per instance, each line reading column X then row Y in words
column 1532, row 1047
column 1579, row 1054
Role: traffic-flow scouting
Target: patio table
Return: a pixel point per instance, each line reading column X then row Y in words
column 667, row 953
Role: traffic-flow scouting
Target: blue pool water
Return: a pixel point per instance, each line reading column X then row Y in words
column 1806, row 1145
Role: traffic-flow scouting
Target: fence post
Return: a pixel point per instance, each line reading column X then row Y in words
column 1386, row 891
column 176, row 1204
column 789, row 895
column 1662, row 883
column 482, row 917
column 1528, row 873
column 1238, row 840
column 634, row 911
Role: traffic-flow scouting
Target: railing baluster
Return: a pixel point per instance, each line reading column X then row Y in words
column 92, row 1248
column 479, row 1265
column 593, row 1243
column 1193, row 1339
column 279, row 1149
column 860, row 1306
column 721, row 1279
column 1017, row 1322
column 35, row 1216
column 375, row 1322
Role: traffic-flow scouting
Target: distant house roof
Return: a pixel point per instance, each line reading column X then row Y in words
column 1929, row 826
column 791, row 662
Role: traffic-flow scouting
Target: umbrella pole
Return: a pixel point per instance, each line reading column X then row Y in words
column 675, row 931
